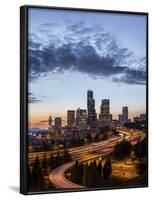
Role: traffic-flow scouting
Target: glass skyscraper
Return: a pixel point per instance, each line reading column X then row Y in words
column 105, row 118
column 92, row 116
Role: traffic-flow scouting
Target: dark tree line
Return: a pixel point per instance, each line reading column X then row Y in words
column 124, row 148
column 107, row 170
column 35, row 176
column 59, row 159
column 39, row 168
column 91, row 175
column 140, row 149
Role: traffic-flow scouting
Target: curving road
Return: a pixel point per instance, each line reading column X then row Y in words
column 57, row 177
column 88, row 152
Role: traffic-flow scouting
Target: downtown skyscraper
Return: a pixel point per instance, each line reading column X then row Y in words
column 92, row 116
column 58, row 122
column 105, row 117
column 123, row 118
column 125, row 114
column 81, row 118
column 71, row 118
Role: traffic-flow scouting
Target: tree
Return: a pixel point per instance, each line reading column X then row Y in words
column 107, row 170
column 140, row 149
column 37, row 175
column 99, row 168
column 141, row 168
column 75, row 176
column 122, row 149
column 36, row 162
column 91, row 177
column 29, row 177
column 66, row 156
column 87, row 177
column 58, row 159
column 51, row 162
column 44, row 162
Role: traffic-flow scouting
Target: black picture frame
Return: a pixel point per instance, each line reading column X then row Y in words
column 24, row 98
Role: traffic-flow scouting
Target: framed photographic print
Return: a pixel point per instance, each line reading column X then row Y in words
column 84, row 99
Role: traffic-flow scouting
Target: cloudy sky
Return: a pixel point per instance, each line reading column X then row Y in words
column 73, row 51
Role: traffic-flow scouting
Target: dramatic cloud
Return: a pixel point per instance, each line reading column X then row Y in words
column 86, row 49
column 132, row 77
column 32, row 98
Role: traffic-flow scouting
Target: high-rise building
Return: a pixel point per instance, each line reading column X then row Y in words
column 105, row 118
column 120, row 118
column 92, row 116
column 78, row 115
column 71, row 118
column 58, row 122
column 105, row 106
column 125, row 114
column 81, row 118
column 89, row 94
column 123, row 118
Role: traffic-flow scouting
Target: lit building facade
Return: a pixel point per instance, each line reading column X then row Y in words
column 125, row 114
column 81, row 118
column 105, row 118
column 92, row 116
column 123, row 118
column 120, row 118
column 71, row 118
column 58, row 122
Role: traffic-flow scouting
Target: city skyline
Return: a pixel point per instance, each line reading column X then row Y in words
column 87, row 99
column 104, row 109
column 68, row 57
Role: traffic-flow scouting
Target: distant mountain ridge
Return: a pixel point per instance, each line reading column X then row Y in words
column 35, row 130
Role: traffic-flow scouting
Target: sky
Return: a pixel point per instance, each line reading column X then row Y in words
column 70, row 52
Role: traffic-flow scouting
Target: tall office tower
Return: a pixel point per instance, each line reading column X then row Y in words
column 105, row 118
column 77, row 117
column 71, row 118
column 120, row 118
column 105, row 106
column 58, row 122
column 81, row 119
column 92, row 116
column 89, row 94
column 125, row 114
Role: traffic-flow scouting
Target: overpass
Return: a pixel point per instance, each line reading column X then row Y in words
column 90, row 152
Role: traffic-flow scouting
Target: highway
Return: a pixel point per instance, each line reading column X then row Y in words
column 86, row 153
column 75, row 152
column 57, row 177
